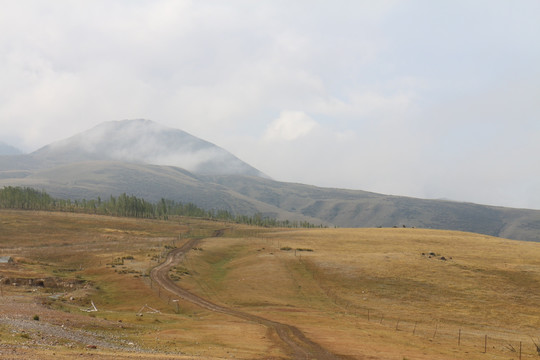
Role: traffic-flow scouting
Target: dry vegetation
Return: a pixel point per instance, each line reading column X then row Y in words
column 363, row 293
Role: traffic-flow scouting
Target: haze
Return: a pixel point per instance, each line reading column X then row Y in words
column 417, row 98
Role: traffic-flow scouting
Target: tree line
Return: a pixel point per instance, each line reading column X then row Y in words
column 26, row 198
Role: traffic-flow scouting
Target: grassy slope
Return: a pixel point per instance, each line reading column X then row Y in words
column 249, row 195
column 489, row 287
column 353, row 208
column 85, row 247
column 91, row 179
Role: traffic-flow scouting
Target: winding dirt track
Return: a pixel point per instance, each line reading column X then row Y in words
column 296, row 344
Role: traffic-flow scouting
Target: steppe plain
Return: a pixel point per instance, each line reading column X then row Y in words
column 376, row 293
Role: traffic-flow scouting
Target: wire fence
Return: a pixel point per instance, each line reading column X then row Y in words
column 488, row 340
column 463, row 339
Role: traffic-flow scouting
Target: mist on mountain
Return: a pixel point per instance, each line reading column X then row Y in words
column 6, row 149
column 144, row 141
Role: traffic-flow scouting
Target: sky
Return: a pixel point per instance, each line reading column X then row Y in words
column 421, row 98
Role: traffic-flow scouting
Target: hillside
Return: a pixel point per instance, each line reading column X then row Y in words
column 92, row 287
column 115, row 158
column 90, row 180
column 353, row 208
column 6, row 149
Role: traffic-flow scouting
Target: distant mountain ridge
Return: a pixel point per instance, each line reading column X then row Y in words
column 151, row 161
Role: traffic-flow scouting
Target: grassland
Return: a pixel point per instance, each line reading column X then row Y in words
column 360, row 293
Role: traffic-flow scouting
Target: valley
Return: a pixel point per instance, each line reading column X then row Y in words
column 144, row 159
column 388, row 293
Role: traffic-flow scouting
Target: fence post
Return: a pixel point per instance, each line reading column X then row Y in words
column 485, row 344
column 414, row 329
column 520, row 350
column 459, row 338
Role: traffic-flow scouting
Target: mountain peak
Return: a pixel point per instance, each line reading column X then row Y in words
column 145, row 141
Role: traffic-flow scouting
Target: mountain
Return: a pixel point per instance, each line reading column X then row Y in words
column 150, row 161
column 6, row 149
column 136, row 141
column 88, row 180
column 354, row 208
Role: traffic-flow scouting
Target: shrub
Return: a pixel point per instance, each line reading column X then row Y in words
column 36, row 317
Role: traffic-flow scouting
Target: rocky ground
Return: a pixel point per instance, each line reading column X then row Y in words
column 29, row 329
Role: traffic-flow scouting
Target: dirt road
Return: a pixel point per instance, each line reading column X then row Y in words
column 295, row 343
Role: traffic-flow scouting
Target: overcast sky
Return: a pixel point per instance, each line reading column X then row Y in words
column 431, row 99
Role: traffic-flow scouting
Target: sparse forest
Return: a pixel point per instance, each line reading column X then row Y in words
column 24, row 198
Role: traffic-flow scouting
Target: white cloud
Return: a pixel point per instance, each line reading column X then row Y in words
column 290, row 125
column 404, row 91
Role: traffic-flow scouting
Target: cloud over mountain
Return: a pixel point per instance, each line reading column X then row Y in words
column 144, row 141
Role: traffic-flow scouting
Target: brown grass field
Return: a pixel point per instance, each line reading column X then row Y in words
column 360, row 293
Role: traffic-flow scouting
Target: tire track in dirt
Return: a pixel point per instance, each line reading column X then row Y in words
column 296, row 344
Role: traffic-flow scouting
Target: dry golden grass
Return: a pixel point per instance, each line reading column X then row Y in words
column 366, row 293
column 486, row 286
column 89, row 248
